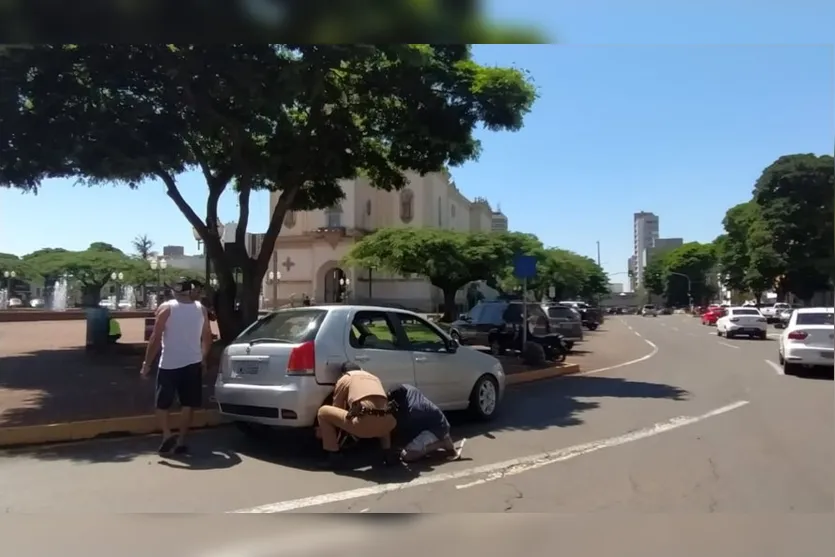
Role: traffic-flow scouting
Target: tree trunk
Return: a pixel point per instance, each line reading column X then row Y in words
column 90, row 295
column 758, row 296
column 449, row 305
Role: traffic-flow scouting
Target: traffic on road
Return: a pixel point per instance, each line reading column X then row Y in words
column 679, row 419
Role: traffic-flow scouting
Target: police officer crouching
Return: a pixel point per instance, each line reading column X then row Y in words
column 360, row 408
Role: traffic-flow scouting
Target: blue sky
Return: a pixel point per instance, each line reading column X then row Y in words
column 681, row 127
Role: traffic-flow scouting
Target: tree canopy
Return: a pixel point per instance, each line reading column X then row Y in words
column 290, row 118
column 783, row 237
column 683, row 275
column 452, row 259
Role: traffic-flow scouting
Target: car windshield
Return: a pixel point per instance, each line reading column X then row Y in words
column 816, row 318
column 291, row 326
column 746, row 312
column 557, row 311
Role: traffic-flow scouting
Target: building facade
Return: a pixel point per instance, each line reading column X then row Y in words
column 644, row 233
column 499, row 219
column 659, row 247
column 311, row 245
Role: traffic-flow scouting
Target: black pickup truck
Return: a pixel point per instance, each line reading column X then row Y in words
column 591, row 317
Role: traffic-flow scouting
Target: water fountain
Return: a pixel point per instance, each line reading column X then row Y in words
column 59, row 295
column 4, row 299
column 129, row 297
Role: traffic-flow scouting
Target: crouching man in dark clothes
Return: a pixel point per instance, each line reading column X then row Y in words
column 421, row 423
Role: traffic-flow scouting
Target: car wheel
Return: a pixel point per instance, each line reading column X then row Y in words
column 729, row 335
column 780, row 358
column 455, row 336
column 763, row 336
column 496, row 348
column 569, row 345
column 718, row 332
column 484, row 398
column 790, row 369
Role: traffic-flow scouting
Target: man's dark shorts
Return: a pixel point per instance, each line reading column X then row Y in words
column 184, row 383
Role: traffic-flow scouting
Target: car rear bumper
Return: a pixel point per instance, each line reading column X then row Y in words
column 747, row 329
column 810, row 356
column 286, row 406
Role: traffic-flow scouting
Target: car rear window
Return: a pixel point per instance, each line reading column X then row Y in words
column 816, row 318
column 745, row 312
column 557, row 311
column 291, row 326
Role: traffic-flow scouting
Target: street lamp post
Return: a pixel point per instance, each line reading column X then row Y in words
column 118, row 278
column 689, row 287
column 158, row 264
column 273, row 278
column 344, row 284
column 9, row 276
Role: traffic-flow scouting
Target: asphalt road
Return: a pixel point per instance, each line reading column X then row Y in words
column 695, row 423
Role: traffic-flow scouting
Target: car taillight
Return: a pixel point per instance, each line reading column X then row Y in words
column 302, row 359
column 798, row 335
column 733, row 319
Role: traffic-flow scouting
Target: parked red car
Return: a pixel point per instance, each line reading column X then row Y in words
column 712, row 314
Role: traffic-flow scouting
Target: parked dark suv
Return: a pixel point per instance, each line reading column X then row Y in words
column 488, row 323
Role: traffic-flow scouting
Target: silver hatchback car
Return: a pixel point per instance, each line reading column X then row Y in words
column 283, row 367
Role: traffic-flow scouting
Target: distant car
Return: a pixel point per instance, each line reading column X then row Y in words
column 490, row 321
column 666, row 311
column 282, row 368
column 565, row 321
column 15, row 303
column 711, row 316
column 36, row 303
column 741, row 321
column 649, row 311
column 808, row 341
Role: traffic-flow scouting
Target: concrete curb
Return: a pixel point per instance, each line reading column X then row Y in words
column 91, row 429
column 147, row 424
column 539, row 374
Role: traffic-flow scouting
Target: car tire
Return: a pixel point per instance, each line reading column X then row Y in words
column 729, row 335
column 763, row 336
column 479, row 407
column 718, row 332
column 790, row 369
column 454, row 335
column 569, row 345
column 780, row 358
column 496, row 348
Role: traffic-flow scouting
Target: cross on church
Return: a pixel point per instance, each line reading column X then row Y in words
column 288, row 264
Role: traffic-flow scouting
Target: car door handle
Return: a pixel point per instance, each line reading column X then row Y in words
column 420, row 359
column 361, row 358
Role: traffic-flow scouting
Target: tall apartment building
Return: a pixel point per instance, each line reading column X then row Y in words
column 498, row 220
column 645, row 232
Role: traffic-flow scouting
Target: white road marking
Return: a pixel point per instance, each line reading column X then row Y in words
column 776, row 367
column 532, row 463
column 637, row 333
column 492, row 471
column 728, row 345
column 674, row 328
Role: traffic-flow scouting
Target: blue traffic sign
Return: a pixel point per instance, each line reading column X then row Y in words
column 524, row 266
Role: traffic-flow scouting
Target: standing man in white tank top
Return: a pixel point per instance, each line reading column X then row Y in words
column 183, row 333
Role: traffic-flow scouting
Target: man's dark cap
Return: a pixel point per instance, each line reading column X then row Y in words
column 351, row 366
column 184, row 285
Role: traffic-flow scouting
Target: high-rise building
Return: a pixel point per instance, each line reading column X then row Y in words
column 631, row 266
column 645, row 232
column 498, row 220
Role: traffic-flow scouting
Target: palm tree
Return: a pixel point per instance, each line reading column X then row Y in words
column 143, row 246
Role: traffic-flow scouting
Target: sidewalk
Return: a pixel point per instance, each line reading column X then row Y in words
column 46, row 376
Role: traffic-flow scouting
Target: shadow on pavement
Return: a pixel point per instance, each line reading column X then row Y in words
column 70, row 384
column 536, row 406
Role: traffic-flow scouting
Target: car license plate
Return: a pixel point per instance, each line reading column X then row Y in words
column 828, row 355
column 249, row 369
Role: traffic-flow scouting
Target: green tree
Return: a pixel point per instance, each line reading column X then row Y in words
column 294, row 119
column 448, row 259
column 687, row 271
column 794, row 196
column 655, row 276
column 90, row 269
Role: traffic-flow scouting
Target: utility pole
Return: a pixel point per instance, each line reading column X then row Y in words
column 598, row 253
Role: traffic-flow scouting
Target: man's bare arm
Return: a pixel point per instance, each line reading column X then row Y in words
column 155, row 341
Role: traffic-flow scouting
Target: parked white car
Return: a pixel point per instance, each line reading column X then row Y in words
column 808, row 340
column 741, row 321
column 649, row 310
column 283, row 367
